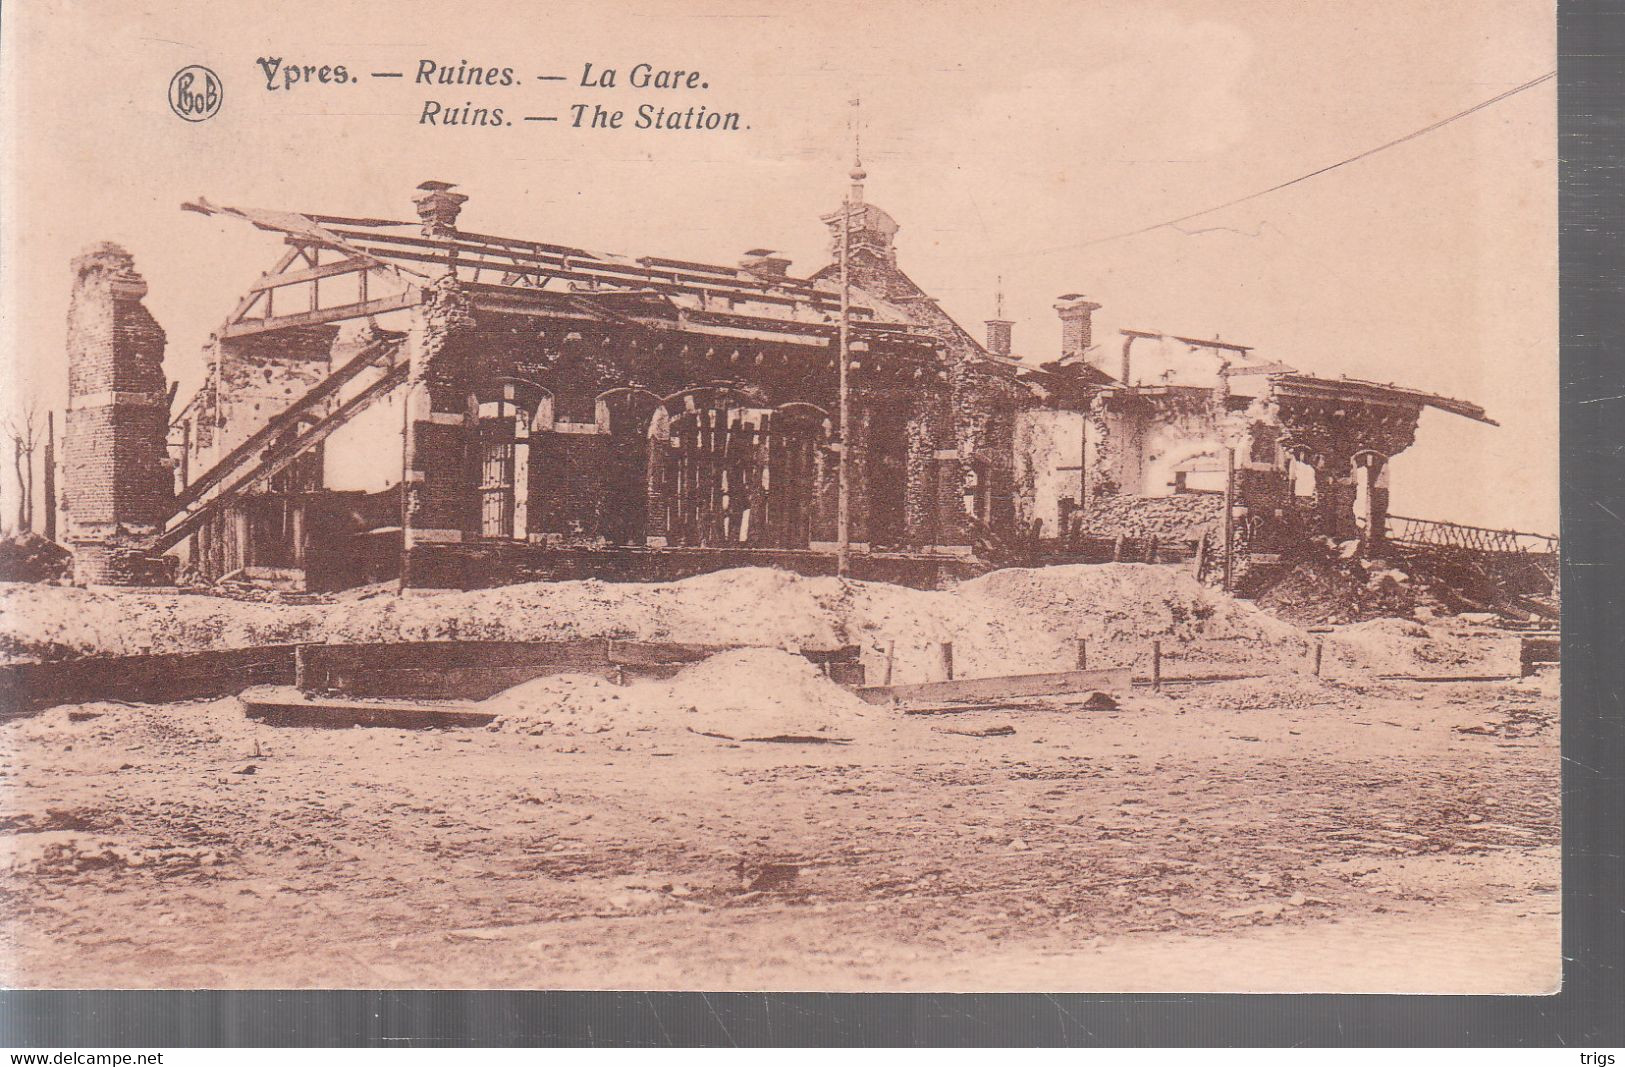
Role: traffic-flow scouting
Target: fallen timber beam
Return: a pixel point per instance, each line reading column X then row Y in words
column 282, row 421
column 281, row 457
column 167, row 676
column 992, row 689
column 156, row 678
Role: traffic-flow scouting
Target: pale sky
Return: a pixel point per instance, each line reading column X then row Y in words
column 1003, row 137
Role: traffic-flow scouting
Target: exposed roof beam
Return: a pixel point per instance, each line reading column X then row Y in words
column 337, row 313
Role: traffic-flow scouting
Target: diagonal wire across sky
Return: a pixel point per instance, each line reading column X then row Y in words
column 1413, row 135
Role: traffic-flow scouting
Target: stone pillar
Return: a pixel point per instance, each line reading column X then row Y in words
column 1371, row 468
column 919, row 516
column 1335, row 496
column 118, row 484
column 656, row 529
column 440, row 505
column 858, row 472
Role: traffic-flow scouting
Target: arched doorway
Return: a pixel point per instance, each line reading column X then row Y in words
column 726, row 470
column 623, row 414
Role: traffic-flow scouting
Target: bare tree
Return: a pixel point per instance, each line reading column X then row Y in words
column 24, row 435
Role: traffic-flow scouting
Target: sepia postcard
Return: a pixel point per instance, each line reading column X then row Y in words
column 1057, row 495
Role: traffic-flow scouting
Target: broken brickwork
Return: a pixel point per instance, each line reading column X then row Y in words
column 117, row 479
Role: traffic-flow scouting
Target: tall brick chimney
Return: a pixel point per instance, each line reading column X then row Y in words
column 438, row 207
column 1077, row 326
column 117, row 482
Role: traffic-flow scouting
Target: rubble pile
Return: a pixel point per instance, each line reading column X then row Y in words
column 1327, row 587
column 1181, row 517
column 28, row 557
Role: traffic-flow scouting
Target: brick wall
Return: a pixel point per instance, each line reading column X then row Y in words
column 260, row 376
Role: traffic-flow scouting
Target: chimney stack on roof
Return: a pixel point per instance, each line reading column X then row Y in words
column 1077, row 326
column 998, row 327
column 438, row 207
column 764, row 265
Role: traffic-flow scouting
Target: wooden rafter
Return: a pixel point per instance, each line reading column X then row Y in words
column 338, row 313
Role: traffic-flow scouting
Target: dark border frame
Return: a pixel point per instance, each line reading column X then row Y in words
column 1586, row 1014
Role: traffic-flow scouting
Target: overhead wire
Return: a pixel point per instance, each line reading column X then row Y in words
column 1317, row 172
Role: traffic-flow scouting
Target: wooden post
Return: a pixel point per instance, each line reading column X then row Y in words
column 1117, row 549
column 1083, row 654
column 1201, row 557
column 948, row 661
column 1229, row 519
column 891, row 651
column 1156, row 665
column 1318, row 650
column 1151, row 551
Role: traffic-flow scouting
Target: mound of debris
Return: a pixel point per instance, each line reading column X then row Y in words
column 1005, row 622
column 1403, row 647
column 28, row 557
column 1332, row 584
column 747, row 694
column 1011, row 621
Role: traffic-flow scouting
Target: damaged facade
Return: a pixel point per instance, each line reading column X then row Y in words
column 454, row 409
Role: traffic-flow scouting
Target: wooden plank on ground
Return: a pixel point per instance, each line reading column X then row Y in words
column 1448, row 677
column 287, row 706
column 992, row 689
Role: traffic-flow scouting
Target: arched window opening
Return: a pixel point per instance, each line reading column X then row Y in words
column 505, row 425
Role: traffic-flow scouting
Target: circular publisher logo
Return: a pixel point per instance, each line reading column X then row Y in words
column 195, row 93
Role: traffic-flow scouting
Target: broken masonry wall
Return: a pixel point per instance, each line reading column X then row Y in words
column 975, row 440
column 258, row 377
column 1049, row 449
column 118, row 481
column 1139, row 441
column 1170, row 442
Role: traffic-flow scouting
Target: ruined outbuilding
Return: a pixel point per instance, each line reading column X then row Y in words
column 423, row 402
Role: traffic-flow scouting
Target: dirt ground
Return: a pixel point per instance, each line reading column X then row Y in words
column 1283, row 834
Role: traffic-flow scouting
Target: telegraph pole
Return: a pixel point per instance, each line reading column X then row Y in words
column 843, row 488
column 843, row 492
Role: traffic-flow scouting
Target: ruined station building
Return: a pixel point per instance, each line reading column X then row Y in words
column 453, row 409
